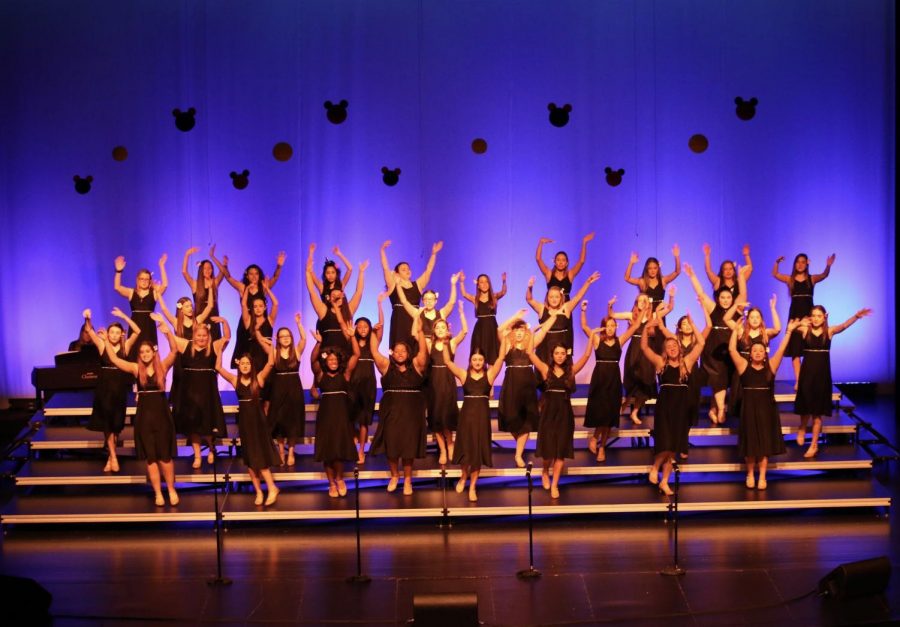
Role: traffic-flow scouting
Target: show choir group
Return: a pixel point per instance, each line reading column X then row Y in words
column 728, row 350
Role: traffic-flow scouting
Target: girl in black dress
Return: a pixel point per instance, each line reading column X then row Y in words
column 814, row 384
column 401, row 414
column 484, row 334
column 517, row 410
column 287, row 406
column 727, row 276
column 334, row 427
column 440, row 386
column 605, row 392
column 154, row 429
column 334, row 309
column 111, row 393
column 142, row 298
column 257, row 448
column 557, row 425
column 651, row 282
column 473, row 437
column 562, row 276
column 429, row 313
column 253, row 284
column 716, row 361
column 199, row 409
column 671, row 421
column 331, row 278
column 759, row 431
column 362, row 383
column 800, row 284
column 257, row 319
column 401, row 275
column 205, row 287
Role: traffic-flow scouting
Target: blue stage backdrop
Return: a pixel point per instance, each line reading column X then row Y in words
column 813, row 171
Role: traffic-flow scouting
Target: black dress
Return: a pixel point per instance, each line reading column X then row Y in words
column 716, row 360
column 257, row 449
column 557, row 427
column 605, row 393
column 640, row 376
column 242, row 335
column 656, row 295
column 215, row 329
column 696, row 380
column 287, row 408
column 814, row 382
column 517, row 411
column 565, row 286
column 736, row 395
column 473, row 438
column 178, row 374
column 801, row 306
column 199, row 405
column 154, row 430
column 401, row 415
column 401, row 322
column 759, row 431
column 332, row 334
column 110, row 397
column 440, row 394
column 484, row 335
column 141, row 308
column 363, row 387
column 334, row 430
column 671, row 422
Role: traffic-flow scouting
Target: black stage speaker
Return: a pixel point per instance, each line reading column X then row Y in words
column 24, row 601
column 455, row 609
column 856, row 579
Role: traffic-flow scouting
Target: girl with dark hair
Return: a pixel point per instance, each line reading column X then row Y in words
column 401, row 414
column 814, row 383
column 556, row 429
column 484, row 334
column 253, row 284
column 605, row 392
column 671, row 421
column 334, row 429
column 473, row 437
column 440, row 386
column 336, row 309
column 111, row 393
column 800, row 284
column 727, row 276
column 257, row 321
column 331, row 278
column 429, row 314
column 759, row 430
column 142, row 297
column 257, row 449
column 205, row 287
column 362, row 381
column 401, row 275
column 716, row 361
column 651, row 282
column 154, row 430
column 287, row 407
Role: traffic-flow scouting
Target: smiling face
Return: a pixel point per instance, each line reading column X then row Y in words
column 754, row 319
column 429, row 300
column 554, row 298
column 145, row 354
column 332, row 362
column 642, row 302
column 143, row 280
column 673, row 351
column 201, row 337
column 253, row 275
column 483, row 284
column 187, row 308
column 284, row 338
column 114, row 334
column 206, row 270
column 725, row 299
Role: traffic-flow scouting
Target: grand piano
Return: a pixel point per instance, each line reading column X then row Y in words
column 73, row 370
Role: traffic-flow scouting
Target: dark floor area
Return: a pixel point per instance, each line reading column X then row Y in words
column 742, row 569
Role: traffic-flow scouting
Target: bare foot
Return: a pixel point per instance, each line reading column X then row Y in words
column 801, row 436
column 653, row 477
column 442, row 460
column 601, row 454
column 291, row 460
column 665, row 489
column 520, row 462
column 108, row 466
column 635, row 419
column 210, row 457
column 592, row 444
column 811, row 451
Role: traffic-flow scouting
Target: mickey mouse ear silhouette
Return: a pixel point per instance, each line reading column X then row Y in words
column 184, row 120
column 83, row 185
column 336, row 113
column 698, row 143
column 282, row 151
column 745, row 109
column 240, row 180
column 559, row 116
column 613, row 177
column 390, row 177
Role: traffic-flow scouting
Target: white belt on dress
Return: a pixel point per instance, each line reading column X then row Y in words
column 334, row 392
column 606, row 361
column 487, row 316
column 475, row 396
column 199, row 369
column 286, row 372
column 403, row 391
column 675, row 385
column 558, row 391
column 756, row 388
column 816, row 350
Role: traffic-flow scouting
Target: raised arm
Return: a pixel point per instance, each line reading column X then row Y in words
column 502, row 292
column 665, row 308
column 740, row 363
column 411, row 309
column 573, row 302
column 425, row 277
column 579, row 365
column 494, row 369
column 169, row 359
column 309, row 269
column 784, row 278
column 657, row 361
column 699, row 341
column 463, row 329
column 539, row 257
column 165, row 309
column 462, row 288
column 745, row 251
column 529, row 298
column 301, row 332
column 622, row 315
column 184, row 269
column 538, row 363
column 135, row 329
column 246, row 316
column 775, row 360
column 381, row 362
column 447, row 309
column 117, row 279
column 210, row 302
column 279, row 264
column 541, row 332
column 378, row 329
column 574, row 270
column 707, row 265
column 504, row 326
column 628, row 278
column 121, row 364
column 353, row 304
column 349, row 272
column 743, row 273
column 354, row 356
column 220, row 344
column 390, row 278
column 420, row 360
column 631, row 330
column 584, row 323
column 89, row 327
column 776, row 321
column 315, row 295
column 163, row 275
column 820, row 277
column 676, row 252
column 705, row 300
column 224, row 271
column 458, row 372
column 225, row 374
column 862, row 313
